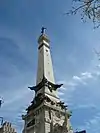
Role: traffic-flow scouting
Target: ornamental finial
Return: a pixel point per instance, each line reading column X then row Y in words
column 43, row 30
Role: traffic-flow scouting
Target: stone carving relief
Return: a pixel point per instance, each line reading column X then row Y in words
column 38, row 125
column 57, row 117
column 59, row 129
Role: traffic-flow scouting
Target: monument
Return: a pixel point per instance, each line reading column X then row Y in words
column 47, row 113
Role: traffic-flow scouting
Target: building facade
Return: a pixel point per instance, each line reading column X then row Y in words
column 7, row 128
column 47, row 113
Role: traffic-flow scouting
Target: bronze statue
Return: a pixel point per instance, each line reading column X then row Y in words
column 43, row 30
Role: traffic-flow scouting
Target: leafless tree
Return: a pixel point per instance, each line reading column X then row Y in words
column 88, row 9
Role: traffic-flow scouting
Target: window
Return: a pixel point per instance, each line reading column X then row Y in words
column 46, row 50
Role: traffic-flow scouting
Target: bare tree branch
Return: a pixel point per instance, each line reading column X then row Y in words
column 88, row 9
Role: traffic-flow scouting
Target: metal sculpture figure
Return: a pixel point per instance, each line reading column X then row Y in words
column 43, row 30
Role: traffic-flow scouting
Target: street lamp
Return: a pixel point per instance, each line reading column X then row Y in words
column 1, row 102
column 1, row 120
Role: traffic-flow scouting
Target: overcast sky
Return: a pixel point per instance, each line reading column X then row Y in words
column 74, row 60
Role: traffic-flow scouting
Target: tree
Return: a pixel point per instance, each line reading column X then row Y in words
column 88, row 9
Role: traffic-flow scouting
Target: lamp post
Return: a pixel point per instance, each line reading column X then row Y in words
column 1, row 120
column 1, row 102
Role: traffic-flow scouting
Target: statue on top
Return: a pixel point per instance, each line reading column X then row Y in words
column 43, row 30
